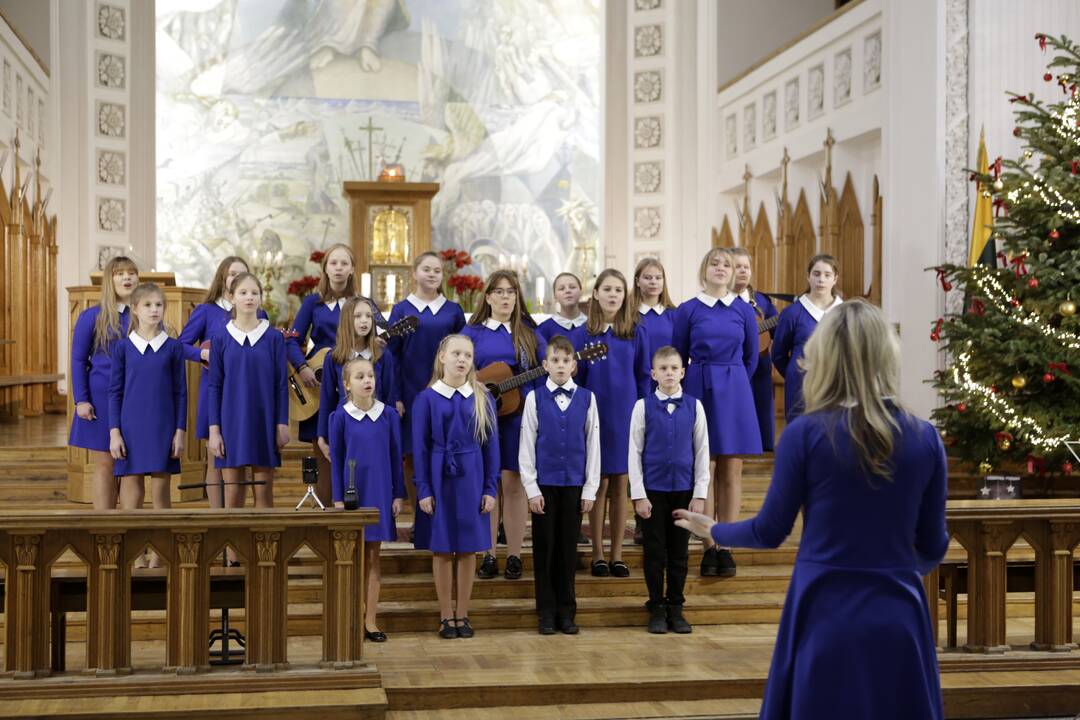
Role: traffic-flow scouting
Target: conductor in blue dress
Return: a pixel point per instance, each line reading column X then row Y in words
column 855, row 639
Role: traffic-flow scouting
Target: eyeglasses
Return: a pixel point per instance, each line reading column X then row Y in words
column 504, row 292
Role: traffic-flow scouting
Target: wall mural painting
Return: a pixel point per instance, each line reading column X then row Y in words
column 264, row 108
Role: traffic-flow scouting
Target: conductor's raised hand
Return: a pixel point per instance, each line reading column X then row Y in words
column 487, row 504
column 428, row 505
column 697, row 523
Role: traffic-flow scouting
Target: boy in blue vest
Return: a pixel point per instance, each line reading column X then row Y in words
column 669, row 470
column 559, row 457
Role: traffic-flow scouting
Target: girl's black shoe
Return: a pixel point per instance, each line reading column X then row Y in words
column 378, row 636
column 600, row 568
column 620, row 569
column 448, row 631
column 464, row 630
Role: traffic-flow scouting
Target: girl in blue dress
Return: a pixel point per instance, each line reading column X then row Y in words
column 456, row 461
column 501, row 333
column 317, row 320
column 356, row 337
column 147, row 405
column 567, row 293
column 207, row 320
column 249, row 407
column 716, row 334
column 797, row 324
column 96, row 329
column 367, row 433
column 617, row 381
column 651, row 300
column 762, row 382
column 870, row 480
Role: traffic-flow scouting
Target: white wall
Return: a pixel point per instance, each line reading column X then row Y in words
column 32, row 21
column 749, row 30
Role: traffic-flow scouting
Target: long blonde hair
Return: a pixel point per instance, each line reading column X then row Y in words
column 143, row 291
column 636, row 297
column 523, row 335
column 624, row 324
column 717, row 252
column 107, row 324
column 347, row 340
column 852, row 364
column 326, row 293
column 217, row 286
column 484, row 418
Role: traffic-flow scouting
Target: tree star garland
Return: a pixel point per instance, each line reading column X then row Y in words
column 1002, row 410
column 990, row 287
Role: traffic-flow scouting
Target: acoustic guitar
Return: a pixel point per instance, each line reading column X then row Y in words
column 304, row 401
column 504, row 386
column 763, row 328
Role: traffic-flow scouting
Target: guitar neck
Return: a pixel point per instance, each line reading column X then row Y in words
column 766, row 325
column 519, row 380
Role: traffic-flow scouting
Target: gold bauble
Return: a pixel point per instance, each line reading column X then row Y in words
column 1027, row 154
column 1019, row 381
column 986, row 194
column 1004, row 444
column 985, row 468
column 999, row 185
column 1067, row 308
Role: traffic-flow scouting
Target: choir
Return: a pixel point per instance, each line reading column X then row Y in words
column 662, row 417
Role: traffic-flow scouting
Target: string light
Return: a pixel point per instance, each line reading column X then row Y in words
column 989, row 286
column 1002, row 410
column 1048, row 194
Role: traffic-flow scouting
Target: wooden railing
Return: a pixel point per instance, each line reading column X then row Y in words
column 190, row 542
column 987, row 530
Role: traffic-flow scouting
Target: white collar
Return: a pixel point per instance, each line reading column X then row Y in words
column 662, row 397
column 745, row 295
column 121, row 307
column 816, row 312
column 570, row 385
column 253, row 336
column 224, row 304
column 141, row 344
column 373, row 414
column 365, row 353
column 333, row 304
column 448, row 392
column 433, row 305
column 570, row 323
column 607, row 326
column 493, row 324
column 711, row 301
column 644, row 309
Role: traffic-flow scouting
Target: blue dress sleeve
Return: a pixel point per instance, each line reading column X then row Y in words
column 82, row 350
column 541, row 353
column 931, row 531
column 492, row 465
column 194, row 332
column 642, row 361
column 386, row 385
column 337, row 456
column 784, row 340
column 421, row 445
column 179, row 382
column 576, row 336
column 459, row 320
column 680, row 333
column 328, row 395
column 395, row 347
column 116, row 385
column 783, row 500
column 397, row 478
column 216, row 379
column 301, row 326
column 281, row 388
column 750, row 340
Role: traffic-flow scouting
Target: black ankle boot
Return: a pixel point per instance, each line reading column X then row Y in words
column 658, row 619
column 676, row 622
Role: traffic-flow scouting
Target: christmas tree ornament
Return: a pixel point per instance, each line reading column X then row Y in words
column 999, row 185
column 985, row 468
column 986, row 194
column 1054, row 234
column 1003, row 440
column 935, row 334
column 1049, row 378
column 1067, row 308
column 1033, row 283
column 1019, row 381
column 1027, row 154
column 1048, row 77
column 1041, row 37
column 1075, row 167
column 1067, row 467
column 1016, row 131
column 961, row 407
column 1015, row 302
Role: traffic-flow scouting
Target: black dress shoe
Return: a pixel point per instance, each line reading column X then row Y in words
column 513, row 568
column 489, row 568
column 464, row 630
column 600, row 568
column 676, row 622
column 546, row 626
column 620, row 569
column 725, row 563
column 447, row 631
column 568, row 627
column 378, row 636
column 658, row 620
column 710, row 563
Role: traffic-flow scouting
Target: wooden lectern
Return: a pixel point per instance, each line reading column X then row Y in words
column 389, row 225
column 179, row 304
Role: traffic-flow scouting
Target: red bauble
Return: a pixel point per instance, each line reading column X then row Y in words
column 994, row 389
column 961, row 407
column 1054, row 234
column 1033, row 283
column 1048, row 77
column 1015, row 302
column 1049, row 378
column 1016, row 131
column 1067, row 467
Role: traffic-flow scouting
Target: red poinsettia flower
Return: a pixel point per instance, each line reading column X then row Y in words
column 316, row 256
column 302, row 286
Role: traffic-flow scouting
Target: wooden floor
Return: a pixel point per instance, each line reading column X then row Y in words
column 613, row 669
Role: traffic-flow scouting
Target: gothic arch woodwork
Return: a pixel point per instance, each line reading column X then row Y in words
column 850, row 245
column 874, row 294
column 723, row 238
column 762, row 251
column 803, row 247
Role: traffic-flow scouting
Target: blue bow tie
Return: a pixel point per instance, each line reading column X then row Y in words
column 675, row 400
column 562, row 391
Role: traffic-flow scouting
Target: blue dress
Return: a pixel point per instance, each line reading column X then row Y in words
column 855, row 608
column 321, row 322
column 720, row 345
column 491, row 346
column 91, row 372
column 762, row 383
column 373, row 440
column 618, row 381
column 414, row 354
column 660, row 325
column 248, row 396
column 452, row 467
column 332, row 395
column 206, row 321
column 148, row 403
column 797, row 324
column 559, row 326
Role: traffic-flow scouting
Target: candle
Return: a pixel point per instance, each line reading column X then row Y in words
column 502, row 260
column 391, row 287
column 269, row 258
column 524, row 263
column 365, row 284
column 540, row 293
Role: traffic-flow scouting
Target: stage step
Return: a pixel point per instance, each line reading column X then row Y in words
column 729, row 709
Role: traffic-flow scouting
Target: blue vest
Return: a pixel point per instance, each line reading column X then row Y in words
column 560, row 438
column 667, row 459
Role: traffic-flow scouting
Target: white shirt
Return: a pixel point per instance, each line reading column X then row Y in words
column 570, row 323
column 332, row 304
column 527, row 447
column 433, row 305
column 637, row 446
column 644, row 309
column 493, row 324
column 448, row 392
column 711, row 301
column 141, row 344
column 373, row 414
column 253, row 336
column 816, row 312
column 365, row 353
column 745, row 295
column 224, row 304
column 121, row 307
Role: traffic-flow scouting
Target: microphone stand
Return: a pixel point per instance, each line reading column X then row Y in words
column 351, row 500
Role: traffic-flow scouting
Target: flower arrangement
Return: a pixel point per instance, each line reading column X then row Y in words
column 462, row 287
column 301, row 287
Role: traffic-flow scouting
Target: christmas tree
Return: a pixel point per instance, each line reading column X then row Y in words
column 1011, row 389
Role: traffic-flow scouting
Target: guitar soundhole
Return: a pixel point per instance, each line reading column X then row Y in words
column 318, row 374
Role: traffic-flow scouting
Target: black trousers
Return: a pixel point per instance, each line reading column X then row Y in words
column 554, row 536
column 667, row 546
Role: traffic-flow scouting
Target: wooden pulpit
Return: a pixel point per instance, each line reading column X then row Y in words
column 179, row 301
